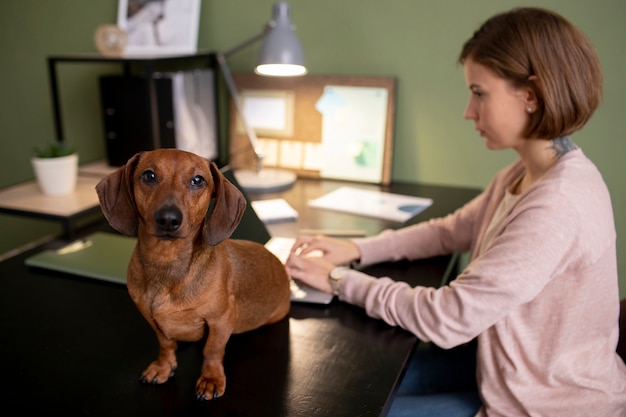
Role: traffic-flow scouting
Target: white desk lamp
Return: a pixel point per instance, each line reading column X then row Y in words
column 280, row 56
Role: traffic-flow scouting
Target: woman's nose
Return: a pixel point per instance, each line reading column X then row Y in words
column 470, row 113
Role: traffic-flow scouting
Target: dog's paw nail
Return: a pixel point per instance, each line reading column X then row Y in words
column 215, row 395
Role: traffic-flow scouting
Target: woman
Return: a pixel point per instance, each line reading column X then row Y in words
column 540, row 293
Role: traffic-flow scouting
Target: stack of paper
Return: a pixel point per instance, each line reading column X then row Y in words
column 274, row 210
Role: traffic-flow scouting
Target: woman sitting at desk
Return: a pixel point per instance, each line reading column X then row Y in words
column 540, row 292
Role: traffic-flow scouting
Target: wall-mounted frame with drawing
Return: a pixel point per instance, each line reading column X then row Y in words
column 159, row 27
column 336, row 126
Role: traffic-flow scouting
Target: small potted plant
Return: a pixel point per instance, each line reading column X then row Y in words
column 56, row 168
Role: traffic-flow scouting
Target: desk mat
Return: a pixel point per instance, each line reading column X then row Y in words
column 101, row 255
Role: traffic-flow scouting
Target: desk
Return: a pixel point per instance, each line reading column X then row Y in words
column 76, row 347
column 27, row 200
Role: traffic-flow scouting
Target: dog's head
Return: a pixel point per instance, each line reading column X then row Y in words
column 168, row 193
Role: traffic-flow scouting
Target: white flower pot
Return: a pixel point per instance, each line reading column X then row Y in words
column 56, row 176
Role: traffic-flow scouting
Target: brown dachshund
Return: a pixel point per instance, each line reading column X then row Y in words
column 186, row 276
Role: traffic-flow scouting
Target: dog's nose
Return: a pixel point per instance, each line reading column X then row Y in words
column 168, row 218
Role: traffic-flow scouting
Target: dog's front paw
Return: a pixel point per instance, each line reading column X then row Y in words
column 158, row 372
column 210, row 388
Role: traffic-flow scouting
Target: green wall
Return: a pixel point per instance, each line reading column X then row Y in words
column 416, row 41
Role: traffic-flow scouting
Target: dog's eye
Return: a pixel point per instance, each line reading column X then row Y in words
column 148, row 176
column 198, row 181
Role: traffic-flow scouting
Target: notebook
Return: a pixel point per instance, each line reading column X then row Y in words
column 101, row 255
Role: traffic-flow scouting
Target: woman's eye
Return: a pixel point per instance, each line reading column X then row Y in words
column 198, row 181
column 148, row 176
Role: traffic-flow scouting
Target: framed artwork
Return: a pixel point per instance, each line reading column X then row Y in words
column 159, row 27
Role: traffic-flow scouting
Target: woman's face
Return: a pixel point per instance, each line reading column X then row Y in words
column 499, row 111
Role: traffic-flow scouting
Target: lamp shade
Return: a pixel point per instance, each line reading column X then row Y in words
column 281, row 53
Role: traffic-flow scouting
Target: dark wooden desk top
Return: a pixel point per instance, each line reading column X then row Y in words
column 445, row 200
column 76, row 347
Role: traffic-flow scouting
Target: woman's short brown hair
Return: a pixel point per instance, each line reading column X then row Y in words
column 537, row 48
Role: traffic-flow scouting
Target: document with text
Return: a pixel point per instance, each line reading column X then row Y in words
column 371, row 203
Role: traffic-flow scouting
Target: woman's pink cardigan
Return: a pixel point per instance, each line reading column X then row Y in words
column 542, row 300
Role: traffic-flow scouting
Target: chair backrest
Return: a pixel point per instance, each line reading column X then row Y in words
column 621, row 345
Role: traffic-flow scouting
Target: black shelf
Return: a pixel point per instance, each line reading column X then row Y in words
column 147, row 64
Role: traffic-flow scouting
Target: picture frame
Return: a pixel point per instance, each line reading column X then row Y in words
column 268, row 112
column 159, row 27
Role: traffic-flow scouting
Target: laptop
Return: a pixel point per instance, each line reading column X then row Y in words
column 300, row 292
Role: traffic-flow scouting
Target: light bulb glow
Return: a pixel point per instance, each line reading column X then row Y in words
column 281, row 70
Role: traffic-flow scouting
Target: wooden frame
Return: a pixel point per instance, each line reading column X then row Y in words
column 159, row 27
column 303, row 151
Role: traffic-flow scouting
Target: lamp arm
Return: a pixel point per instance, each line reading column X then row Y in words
column 248, row 42
column 234, row 93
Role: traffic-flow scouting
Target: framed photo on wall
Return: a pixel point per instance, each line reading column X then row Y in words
column 159, row 27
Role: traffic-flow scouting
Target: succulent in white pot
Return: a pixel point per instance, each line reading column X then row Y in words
column 56, row 168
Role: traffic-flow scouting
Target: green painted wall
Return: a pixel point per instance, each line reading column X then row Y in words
column 415, row 40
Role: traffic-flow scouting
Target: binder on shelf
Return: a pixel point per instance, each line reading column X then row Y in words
column 127, row 116
column 185, row 114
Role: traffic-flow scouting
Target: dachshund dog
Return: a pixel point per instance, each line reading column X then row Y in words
column 186, row 276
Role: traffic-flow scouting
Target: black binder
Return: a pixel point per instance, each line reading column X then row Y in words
column 127, row 116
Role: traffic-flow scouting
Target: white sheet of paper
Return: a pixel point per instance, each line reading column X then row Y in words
column 370, row 203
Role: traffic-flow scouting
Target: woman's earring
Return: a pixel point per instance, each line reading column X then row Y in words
column 529, row 109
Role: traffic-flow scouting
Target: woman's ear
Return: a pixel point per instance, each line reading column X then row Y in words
column 529, row 96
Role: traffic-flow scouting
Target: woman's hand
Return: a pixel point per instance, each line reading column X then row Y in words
column 313, row 257
column 311, row 270
column 335, row 251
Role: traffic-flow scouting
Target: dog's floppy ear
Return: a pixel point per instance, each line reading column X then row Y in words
column 229, row 205
column 115, row 192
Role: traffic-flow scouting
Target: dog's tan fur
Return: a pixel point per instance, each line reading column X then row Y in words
column 186, row 276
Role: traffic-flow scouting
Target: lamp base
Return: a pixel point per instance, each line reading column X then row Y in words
column 266, row 180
